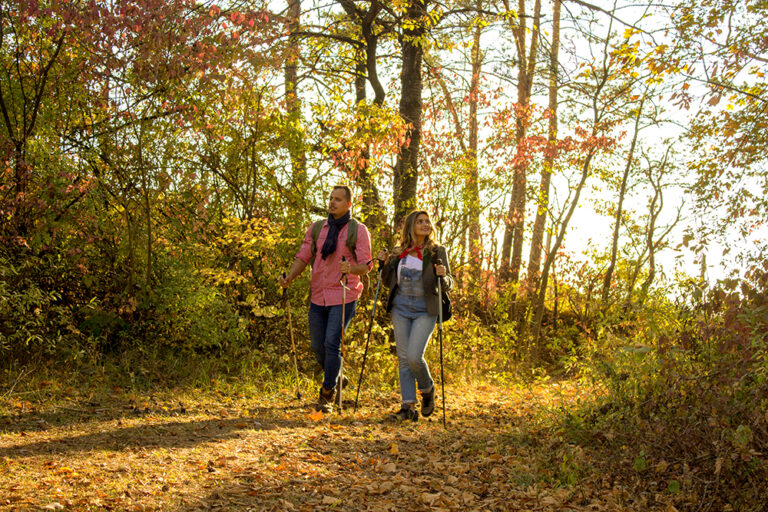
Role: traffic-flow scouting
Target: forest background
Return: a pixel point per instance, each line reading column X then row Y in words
column 161, row 161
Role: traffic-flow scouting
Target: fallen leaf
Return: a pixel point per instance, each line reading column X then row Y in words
column 53, row 506
column 315, row 416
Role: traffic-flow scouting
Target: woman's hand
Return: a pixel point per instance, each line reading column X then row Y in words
column 345, row 267
column 383, row 256
column 440, row 270
column 284, row 281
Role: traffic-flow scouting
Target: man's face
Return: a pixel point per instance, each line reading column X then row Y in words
column 338, row 205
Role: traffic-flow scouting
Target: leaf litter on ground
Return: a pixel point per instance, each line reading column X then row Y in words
column 500, row 451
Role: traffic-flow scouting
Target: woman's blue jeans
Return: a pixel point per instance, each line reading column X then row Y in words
column 325, row 336
column 413, row 327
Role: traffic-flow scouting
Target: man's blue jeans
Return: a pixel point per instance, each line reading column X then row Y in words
column 325, row 335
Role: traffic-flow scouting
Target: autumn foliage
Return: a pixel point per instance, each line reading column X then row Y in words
column 161, row 159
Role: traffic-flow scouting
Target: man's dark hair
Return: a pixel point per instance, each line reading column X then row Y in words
column 346, row 190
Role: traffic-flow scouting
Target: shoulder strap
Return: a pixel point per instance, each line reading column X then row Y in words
column 316, row 227
column 352, row 235
column 352, row 224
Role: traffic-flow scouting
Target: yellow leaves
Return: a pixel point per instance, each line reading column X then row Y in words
column 394, row 450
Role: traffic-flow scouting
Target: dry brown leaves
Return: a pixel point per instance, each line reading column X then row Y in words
column 238, row 453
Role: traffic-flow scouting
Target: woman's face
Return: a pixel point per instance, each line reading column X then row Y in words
column 422, row 227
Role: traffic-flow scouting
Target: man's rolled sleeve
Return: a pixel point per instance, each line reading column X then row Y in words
column 305, row 252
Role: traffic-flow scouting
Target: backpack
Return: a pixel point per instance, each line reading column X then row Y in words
column 351, row 236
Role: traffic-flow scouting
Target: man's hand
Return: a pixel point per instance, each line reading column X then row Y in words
column 440, row 270
column 284, row 281
column 345, row 267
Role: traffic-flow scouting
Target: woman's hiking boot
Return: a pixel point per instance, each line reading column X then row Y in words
column 428, row 402
column 405, row 414
column 325, row 401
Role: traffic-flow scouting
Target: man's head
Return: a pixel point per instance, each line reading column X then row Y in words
column 340, row 201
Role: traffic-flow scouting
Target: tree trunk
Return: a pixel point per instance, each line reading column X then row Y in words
column 406, row 170
column 549, row 261
column 619, row 211
column 372, row 214
column 534, row 260
column 294, row 140
column 515, row 222
column 472, row 192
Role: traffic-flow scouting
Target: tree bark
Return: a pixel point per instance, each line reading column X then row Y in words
column 534, row 260
column 472, row 189
column 406, row 171
column 515, row 222
column 620, row 210
column 295, row 139
column 372, row 213
column 549, row 261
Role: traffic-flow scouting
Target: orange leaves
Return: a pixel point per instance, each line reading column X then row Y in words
column 315, row 416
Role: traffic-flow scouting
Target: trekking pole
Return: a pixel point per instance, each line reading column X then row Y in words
column 340, row 382
column 438, row 261
column 293, row 344
column 370, row 328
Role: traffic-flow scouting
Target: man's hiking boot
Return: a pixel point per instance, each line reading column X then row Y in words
column 428, row 402
column 325, row 401
column 406, row 414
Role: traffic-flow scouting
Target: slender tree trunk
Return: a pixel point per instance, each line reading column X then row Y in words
column 131, row 248
column 145, row 186
column 549, row 261
column 512, row 247
column 406, row 170
column 556, row 305
column 534, row 260
column 472, row 189
column 619, row 211
column 651, row 248
column 295, row 139
column 373, row 213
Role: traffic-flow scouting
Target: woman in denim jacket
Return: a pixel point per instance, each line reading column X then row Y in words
column 411, row 274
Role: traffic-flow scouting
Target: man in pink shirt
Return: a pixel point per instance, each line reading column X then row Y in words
column 326, row 289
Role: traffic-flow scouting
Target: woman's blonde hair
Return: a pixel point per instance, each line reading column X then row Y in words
column 406, row 233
